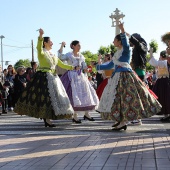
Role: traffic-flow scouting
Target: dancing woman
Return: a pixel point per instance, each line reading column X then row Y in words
column 45, row 97
column 125, row 98
column 105, row 74
column 162, row 86
column 82, row 95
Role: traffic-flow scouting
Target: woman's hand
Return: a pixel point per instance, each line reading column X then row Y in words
column 63, row 44
column 41, row 32
column 151, row 52
column 99, row 59
column 121, row 27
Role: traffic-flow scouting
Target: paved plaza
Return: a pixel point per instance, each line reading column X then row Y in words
column 25, row 144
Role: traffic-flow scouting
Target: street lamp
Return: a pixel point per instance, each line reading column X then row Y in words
column 2, row 51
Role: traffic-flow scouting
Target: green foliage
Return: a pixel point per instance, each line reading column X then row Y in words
column 112, row 48
column 104, row 50
column 148, row 66
column 153, row 44
column 89, row 56
column 26, row 63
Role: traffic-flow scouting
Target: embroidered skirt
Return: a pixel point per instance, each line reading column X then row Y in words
column 82, row 95
column 126, row 98
column 162, row 90
column 44, row 97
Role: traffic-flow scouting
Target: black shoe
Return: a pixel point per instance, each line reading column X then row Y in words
column 48, row 125
column 118, row 129
column 164, row 119
column 76, row 121
column 4, row 112
column 97, row 111
column 116, row 124
column 90, row 119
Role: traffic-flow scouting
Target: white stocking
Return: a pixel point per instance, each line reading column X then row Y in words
column 87, row 114
column 75, row 116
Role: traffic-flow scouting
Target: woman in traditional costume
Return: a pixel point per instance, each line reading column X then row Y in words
column 82, row 95
column 106, row 74
column 45, row 97
column 125, row 97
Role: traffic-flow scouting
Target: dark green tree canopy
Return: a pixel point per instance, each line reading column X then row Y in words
column 153, row 44
column 26, row 63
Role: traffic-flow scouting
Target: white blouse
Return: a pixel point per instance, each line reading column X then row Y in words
column 73, row 60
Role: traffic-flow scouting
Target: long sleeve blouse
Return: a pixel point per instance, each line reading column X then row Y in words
column 121, row 59
column 48, row 61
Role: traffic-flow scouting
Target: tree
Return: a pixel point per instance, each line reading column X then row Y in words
column 153, row 44
column 21, row 62
column 104, row 50
column 89, row 56
column 148, row 66
column 113, row 49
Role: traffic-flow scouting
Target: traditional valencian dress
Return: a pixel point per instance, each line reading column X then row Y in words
column 81, row 93
column 106, row 74
column 45, row 96
column 125, row 97
column 162, row 85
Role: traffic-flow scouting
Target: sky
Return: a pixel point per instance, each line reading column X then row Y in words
column 84, row 20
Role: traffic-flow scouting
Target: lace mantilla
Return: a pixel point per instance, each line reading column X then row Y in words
column 59, row 99
column 109, row 94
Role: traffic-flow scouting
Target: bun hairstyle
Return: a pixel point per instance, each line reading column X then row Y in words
column 163, row 54
column 73, row 43
column 118, row 38
column 45, row 39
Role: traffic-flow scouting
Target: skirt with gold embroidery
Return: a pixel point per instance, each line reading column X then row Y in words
column 132, row 99
column 44, row 97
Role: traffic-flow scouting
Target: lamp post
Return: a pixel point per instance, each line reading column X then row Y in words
column 117, row 16
column 2, row 51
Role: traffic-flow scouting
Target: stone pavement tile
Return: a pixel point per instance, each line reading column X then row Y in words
column 57, row 167
column 39, row 168
column 137, row 168
column 161, row 154
column 130, row 162
column 163, row 163
column 129, row 168
column 2, row 164
column 149, row 163
column 110, row 168
column 147, row 168
column 8, row 167
column 95, row 168
column 113, row 162
column 121, row 168
column 162, row 168
column 83, row 168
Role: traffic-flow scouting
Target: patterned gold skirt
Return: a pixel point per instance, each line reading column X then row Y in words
column 132, row 99
column 44, row 97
